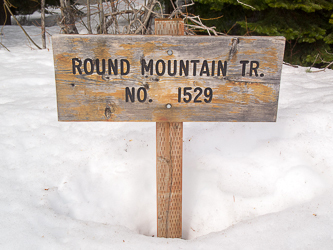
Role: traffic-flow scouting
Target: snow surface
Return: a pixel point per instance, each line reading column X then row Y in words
column 92, row 185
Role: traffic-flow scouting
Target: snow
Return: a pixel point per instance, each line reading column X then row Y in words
column 92, row 185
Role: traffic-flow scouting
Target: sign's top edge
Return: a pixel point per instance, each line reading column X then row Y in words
column 197, row 36
column 168, row 20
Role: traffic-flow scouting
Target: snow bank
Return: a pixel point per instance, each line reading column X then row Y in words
column 92, row 185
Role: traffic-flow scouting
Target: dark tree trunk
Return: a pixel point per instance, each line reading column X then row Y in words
column 43, row 23
column 3, row 19
column 168, row 7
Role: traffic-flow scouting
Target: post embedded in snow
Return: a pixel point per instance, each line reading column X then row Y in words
column 169, row 158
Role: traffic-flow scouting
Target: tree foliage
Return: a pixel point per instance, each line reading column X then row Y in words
column 30, row 6
column 307, row 25
column 4, row 16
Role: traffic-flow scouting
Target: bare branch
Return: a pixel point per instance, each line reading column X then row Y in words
column 246, row 5
column 322, row 61
column 88, row 18
column 4, row 47
column 124, row 12
column 101, row 29
column 67, row 22
column 43, row 23
column 7, row 6
column 147, row 15
column 197, row 23
column 138, row 19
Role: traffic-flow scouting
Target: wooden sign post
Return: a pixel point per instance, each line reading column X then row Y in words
column 167, row 80
column 169, row 158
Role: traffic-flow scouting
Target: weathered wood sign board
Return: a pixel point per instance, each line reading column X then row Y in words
column 167, row 78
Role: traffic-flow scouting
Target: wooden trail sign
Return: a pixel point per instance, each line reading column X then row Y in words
column 167, row 78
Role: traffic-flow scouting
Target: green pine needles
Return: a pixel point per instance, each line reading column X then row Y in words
column 307, row 25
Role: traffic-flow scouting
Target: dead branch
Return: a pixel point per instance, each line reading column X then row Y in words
column 288, row 64
column 67, row 22
column 195, row 21
column 322, row 61
column 43, row 23
column 124, row 12
column 133, row 20
column 246, row 5
column 115, row 20
column 155, row 14
column 7, row 4
column 178, row 10
column 4, row 47
column 88, row 18
column 147, row 16
column 101, row 29
column 139, row 19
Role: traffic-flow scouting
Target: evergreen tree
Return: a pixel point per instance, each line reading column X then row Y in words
column 4, row 15
column 307, row 25
column 30, row 6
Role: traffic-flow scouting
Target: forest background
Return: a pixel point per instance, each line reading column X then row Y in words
column 307, row 25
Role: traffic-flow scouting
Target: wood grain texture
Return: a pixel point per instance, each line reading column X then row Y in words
column 169, row 159
column 102, row 97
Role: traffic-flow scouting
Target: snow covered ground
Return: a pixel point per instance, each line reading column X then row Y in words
column 92, row 185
